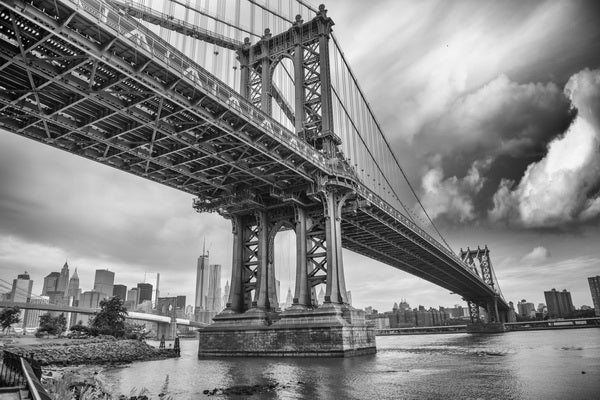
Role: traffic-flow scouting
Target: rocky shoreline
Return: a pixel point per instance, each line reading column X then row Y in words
column 105, row 350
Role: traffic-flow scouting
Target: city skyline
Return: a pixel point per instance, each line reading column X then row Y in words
column 489, row 140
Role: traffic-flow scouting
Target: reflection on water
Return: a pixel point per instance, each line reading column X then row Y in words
column 517, row 365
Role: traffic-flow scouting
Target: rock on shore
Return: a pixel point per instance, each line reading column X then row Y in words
column 92, row 351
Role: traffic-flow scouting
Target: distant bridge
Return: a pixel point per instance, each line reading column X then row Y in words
column 90, row 311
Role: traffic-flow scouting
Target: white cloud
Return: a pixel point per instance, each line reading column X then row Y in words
column 452, row 197
column 559, row 189
column 538, row 254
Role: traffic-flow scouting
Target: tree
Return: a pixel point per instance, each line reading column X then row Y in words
column 9, row 316
column 110, row 319
column 52, row 325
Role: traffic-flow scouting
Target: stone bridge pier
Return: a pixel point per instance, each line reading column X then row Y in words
column 253, row 324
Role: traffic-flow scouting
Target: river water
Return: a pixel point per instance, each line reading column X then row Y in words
column 560, row 364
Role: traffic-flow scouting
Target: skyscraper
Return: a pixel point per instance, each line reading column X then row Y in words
column 144, row 292
column 21, row 288
column 225, row 295
column 526, row 309
column 559, row 304
column 214, row 288
column 594, row 282
column 50, row 283
column 201, row 300
column 153, row 278
column 132, row 298
column 63, row 280
column 120, row 291
column 103, row 282
column 73, row 289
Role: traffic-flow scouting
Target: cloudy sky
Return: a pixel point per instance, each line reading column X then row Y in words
column 493, row 109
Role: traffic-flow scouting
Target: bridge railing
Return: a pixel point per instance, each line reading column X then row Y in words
column 16, row 370
column 157, row 48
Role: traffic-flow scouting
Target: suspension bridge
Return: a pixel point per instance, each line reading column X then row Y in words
column 252, row 108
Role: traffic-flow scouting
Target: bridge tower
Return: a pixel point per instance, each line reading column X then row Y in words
column 313, row 212
column 481, row 264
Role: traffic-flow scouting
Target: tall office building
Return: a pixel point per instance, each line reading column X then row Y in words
column 225, row 295
column 201, row 300
column 50, row 283
column 63, row 280
column 120, row 291
column 214, row 288
column 559, row 304
column 144, row 292
column 289, row 300
column 132, row 297
column 73, row 289
column 594, row 282
column 21, row 292
column 526, row 309
column 103, row 282
column 21, row 288
column 153, row 278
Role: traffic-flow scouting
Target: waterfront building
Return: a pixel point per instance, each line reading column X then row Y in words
column 153, row 278
column 214, row 288
column 560, row 304
column 417, row 317
column 526, row 309
column 21, row 288
column 103, row 282
column 120, row 291
column 144, row 293
column 63, row 280
column 403, row 306
column 594, row 282
column 91, row 299
column 21, row 293
column 73, row 289
column 201, row 300
column 50, row 283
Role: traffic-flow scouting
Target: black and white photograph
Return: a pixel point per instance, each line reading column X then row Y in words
column 292, row 199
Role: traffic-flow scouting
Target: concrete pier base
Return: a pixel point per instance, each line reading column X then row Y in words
column 486, row 327
column 328, row 331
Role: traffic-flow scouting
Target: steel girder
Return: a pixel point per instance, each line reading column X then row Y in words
column 85, row 90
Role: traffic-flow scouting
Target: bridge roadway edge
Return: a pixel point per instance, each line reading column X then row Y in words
column 331, row 330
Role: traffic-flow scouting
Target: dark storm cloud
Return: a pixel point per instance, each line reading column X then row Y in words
column 501, row 119
column 562, row 188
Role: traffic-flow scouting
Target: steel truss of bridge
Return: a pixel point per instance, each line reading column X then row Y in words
column 85, row 77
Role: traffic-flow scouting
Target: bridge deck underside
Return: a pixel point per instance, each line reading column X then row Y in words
column 83, row 90
column 79, row 85
column 375, row 234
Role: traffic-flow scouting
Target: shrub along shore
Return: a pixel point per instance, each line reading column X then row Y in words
column 98, row 350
